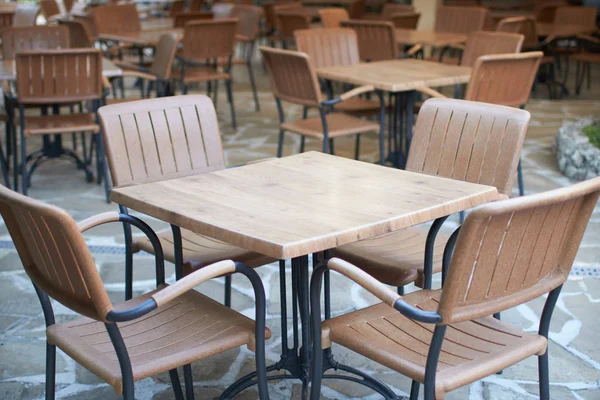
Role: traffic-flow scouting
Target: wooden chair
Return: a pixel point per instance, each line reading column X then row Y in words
column 15, row 40
column 576, row 15
column 511, row 25
column 293, row 78
column 376, row 39
column 356, row 9
column 159, row 75
column 408, row 20
column 204, row 43
column 463, row 20
column 25, row 15
column 332, row 17
column 271, row 21
column 495, row 266
column 79, row 33
column 388, row 10
column 49, row 9
column 116, row 19
column 486, row 43
column 69, row 5
column 136, row 339
column 177, row 7
column 457, row 139
column 160, row 139
column 77, row 77
column 196, row 5
column 338, row 47
column 288, row 23
column 181, row 19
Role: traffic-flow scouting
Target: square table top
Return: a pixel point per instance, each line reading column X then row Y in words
column 398, row 75
column 428, row 38
column 142, row 38
column 8, row 69
column 302, row 204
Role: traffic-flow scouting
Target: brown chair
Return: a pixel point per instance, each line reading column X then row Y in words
column 463, row 20
column 25, row 15
column 69, row 5
column 160, row 139
column 15, row 40
column 511, row 25
column 287, row 23
column 204, row 43
column 338, row 47
column 271, row 11
column 79, row 33
column 49, row 9
column 408, row 20
column 332, row 17
column 159, row 75
column 76, row 77
column 6, row 19
column 179, row 20
column 136, row 339
column 576, row 15
column 196, row 5
column 293, row 79
column 356, row 9
column 506, row 254
column 486, row 43
column 376, row 39
column 116, row 19
column 177, row 7
column 449, row 140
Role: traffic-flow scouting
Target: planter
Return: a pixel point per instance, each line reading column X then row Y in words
column 578, row 159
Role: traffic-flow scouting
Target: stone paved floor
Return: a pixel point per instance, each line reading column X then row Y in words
column 574, row 350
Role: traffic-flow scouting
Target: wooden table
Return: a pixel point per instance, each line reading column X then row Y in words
column 8, row 70
column 428, row 38
column 401, row 78
column 156, row 23
column 147, row 38
column 299, row 205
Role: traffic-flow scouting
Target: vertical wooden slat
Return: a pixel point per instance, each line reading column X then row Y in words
column 436, row 141
column 465, row 148
column 195, row 141
column 480, row 143
column 450, row 145
column 492, row 153
column 178, row 139
column 163, row 141
column 148, row 143
column 134, row 147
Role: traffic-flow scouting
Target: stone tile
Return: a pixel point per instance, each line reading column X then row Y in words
column 25, row 358
column 11, row 390
column 98, row 393
column 6, row 321
column 11, row 262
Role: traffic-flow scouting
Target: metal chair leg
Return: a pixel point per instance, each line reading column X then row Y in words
column 128, row 256
column 520, row 179
column 189, row 382
column 228, row 291
column 231, row 105
column 176, row 384
column 414, row 390
column 253, row 84
column 302, row 142
column 50, row 371
column 280, row 144
column 357, row 147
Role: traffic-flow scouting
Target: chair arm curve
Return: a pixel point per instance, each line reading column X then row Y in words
column 431, row 93
column 351, row 93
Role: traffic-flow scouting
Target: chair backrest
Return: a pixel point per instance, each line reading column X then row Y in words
column 576, row 15
column 196, row 5
column 292, row 76
column 376, row 39
column 485, row 43
column 54, row 254
column 329, row 47
column 181, row 19
column 468, row 141
column 511, row 24
column 392, row 8
column 164, row 55
column 177, row 7
column 207, row 40
column 68, row 5
column 157, row 139
column 332, row 17
column 249, row 18
column 116, row 19
column 25, row 15
column 288, row 23
column 59, row 76
column 514, row 251
column 462, row 20
column 15, row 40
column 405, row 20
column 505, row 79
column 79, row 33
column 356, row 9
column 89, row 24
column 6, row 19
column 271, row 10
column 49, row 8
column 529, row 31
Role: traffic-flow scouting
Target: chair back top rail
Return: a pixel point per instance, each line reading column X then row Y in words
column 17, row 39
column 511, row 24
column 511, row 252
column 59, row 76
column 468, row 141
column 157, row 139
column 54, row 254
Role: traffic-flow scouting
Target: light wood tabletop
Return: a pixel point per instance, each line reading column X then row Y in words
column 156, row 23
column 428, row 38
column 398, row 75
column 8, row 69
column 298, row 205
column 143, row 38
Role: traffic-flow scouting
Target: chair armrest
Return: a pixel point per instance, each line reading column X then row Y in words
column 382, row 292
column 138, row 74
column 242, row 38
column 192, row 280
column 98, row 219
column 456, row 46
column 413, row 50
column 349, row 94
column 431, row 93
column 589, row 38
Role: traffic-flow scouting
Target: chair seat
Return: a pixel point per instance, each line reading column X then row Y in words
column 359, row 106
column 185, row 330
column 200, row 251
column 593, row 58
column 396, row 258
column 338, row 125
column 199, row 74
column 471, row 350
column 53, row 124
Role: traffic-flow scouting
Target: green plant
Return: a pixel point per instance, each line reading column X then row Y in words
column 593, row 133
